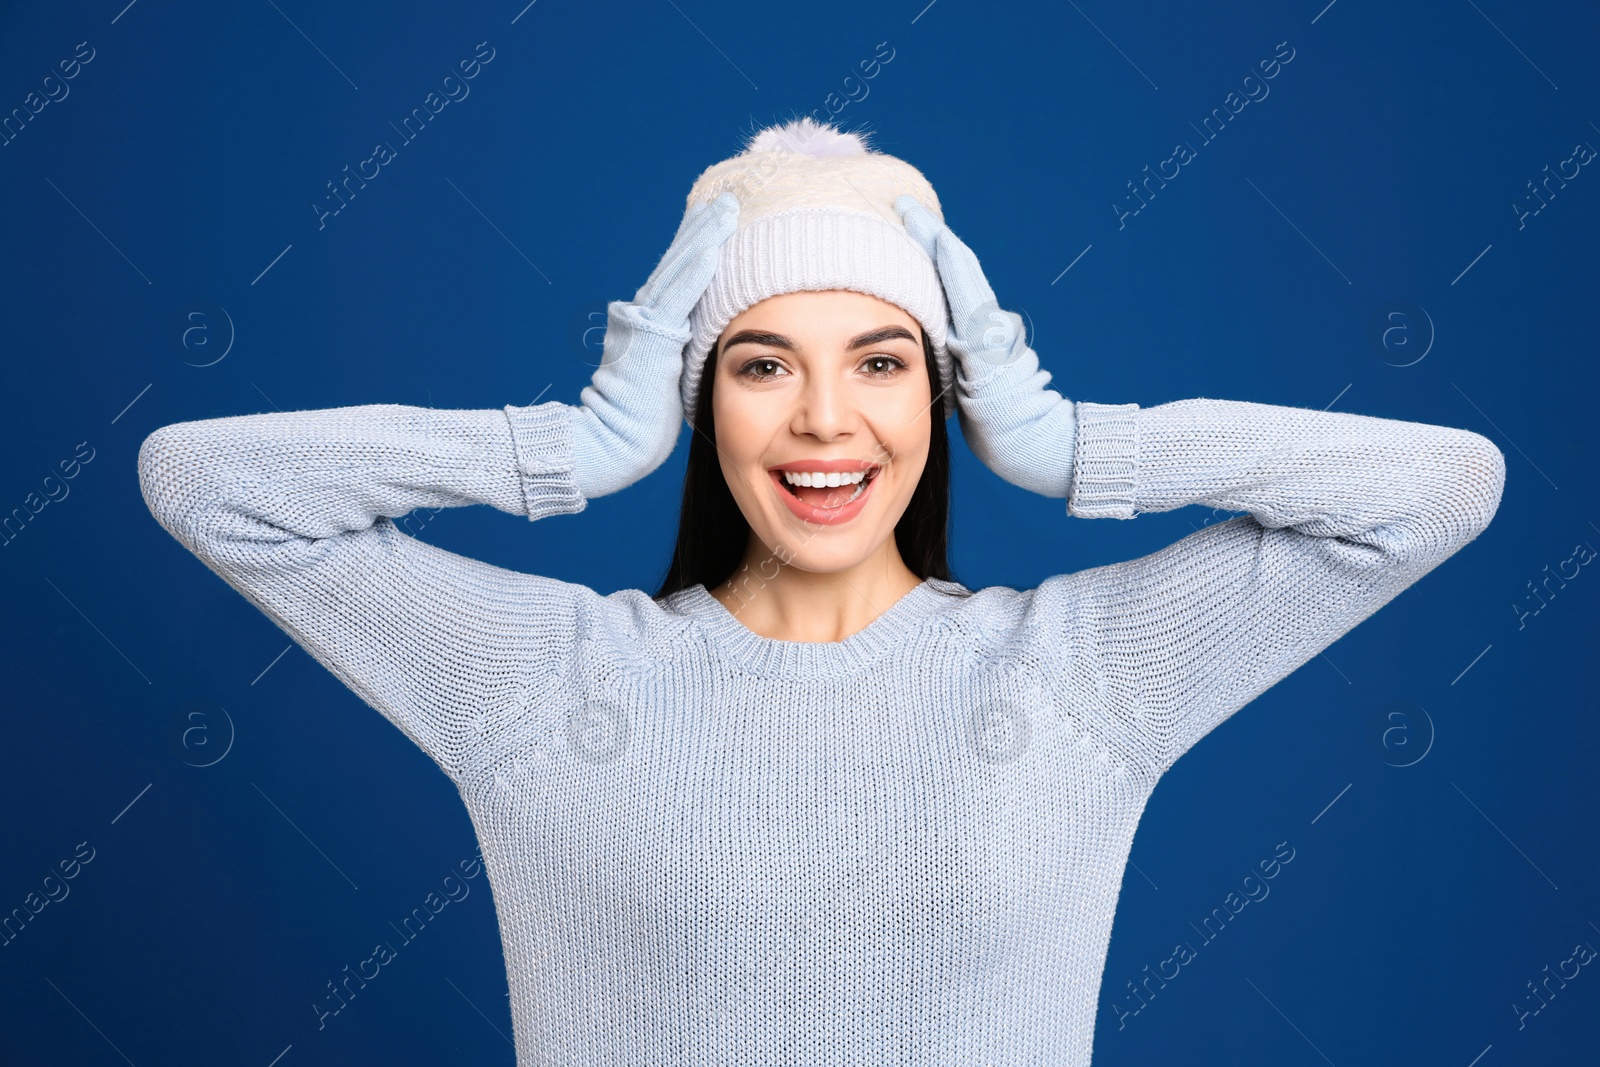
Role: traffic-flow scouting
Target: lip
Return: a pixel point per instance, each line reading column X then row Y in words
column 822, row 516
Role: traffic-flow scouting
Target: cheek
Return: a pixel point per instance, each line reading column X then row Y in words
column 741, row 437
column 906, row 432
column 909, row 410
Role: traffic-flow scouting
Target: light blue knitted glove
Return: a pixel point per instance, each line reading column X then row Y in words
column 631, row 412
column 1022, row 431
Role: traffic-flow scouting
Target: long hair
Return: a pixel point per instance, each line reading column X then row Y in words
column 713, row 533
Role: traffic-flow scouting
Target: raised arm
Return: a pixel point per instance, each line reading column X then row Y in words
column 1345, row 511
column 295, row 511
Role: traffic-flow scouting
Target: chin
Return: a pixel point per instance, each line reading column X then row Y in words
column 827, row 563
column 821, row 549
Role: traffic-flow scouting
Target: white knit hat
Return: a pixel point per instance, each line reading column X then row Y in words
column 816, row 211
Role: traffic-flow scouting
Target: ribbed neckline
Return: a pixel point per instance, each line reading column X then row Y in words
column 743, row 647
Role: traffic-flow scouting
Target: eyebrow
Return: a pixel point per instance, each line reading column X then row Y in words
column 778, row 340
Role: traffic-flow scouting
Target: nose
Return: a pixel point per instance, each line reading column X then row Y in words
column 825, row 407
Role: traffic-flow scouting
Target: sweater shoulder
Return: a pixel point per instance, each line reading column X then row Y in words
column 991, row 619
column 627, row 627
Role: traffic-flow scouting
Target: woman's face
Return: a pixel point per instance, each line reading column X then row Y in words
column 819, row 382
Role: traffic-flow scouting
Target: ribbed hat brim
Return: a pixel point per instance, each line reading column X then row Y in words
column 818, row 248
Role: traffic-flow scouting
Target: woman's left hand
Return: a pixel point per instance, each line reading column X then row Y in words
column 1021, row 430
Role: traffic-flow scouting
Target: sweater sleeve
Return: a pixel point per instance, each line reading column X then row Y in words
column 1344, row 511
column 295, row 511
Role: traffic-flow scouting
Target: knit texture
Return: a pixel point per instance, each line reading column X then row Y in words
column 816, row 212
column 707, row 846
column 810, row 248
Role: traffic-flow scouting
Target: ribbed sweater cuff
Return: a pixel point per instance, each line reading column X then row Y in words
column 1106, row 461
column 541, row 436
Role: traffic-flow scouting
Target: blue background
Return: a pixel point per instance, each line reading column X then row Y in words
column 1350, row 241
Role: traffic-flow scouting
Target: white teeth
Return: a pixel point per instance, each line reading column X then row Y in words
column 819, row 479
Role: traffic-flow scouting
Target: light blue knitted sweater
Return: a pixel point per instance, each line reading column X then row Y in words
column 711, row 847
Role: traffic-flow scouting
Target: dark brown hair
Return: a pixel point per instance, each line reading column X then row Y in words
column 713, row 533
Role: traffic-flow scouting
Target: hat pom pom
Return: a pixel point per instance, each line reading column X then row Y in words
column 808, row 137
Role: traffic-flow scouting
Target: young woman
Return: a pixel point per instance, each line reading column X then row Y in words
column 815, row 802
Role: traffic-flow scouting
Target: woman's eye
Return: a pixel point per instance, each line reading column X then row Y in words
column 762, row 370
column 896, row 365
column 762, row 376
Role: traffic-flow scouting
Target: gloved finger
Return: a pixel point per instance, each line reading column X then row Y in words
column 684, row 272
column 975, row 316
column 919, row 222
column 971, row 298
column 993, row 352
column 656, row 323
column 680, row 258
column 683, row 286
column 684, row 223
column 987, row 337
column 688, row 217
column 988, row 340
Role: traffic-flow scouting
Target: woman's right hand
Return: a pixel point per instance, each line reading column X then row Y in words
column 631, row 412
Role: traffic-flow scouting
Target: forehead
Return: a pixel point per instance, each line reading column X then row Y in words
column 822, row 314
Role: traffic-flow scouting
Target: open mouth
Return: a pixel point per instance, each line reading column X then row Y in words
column 850, row 488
